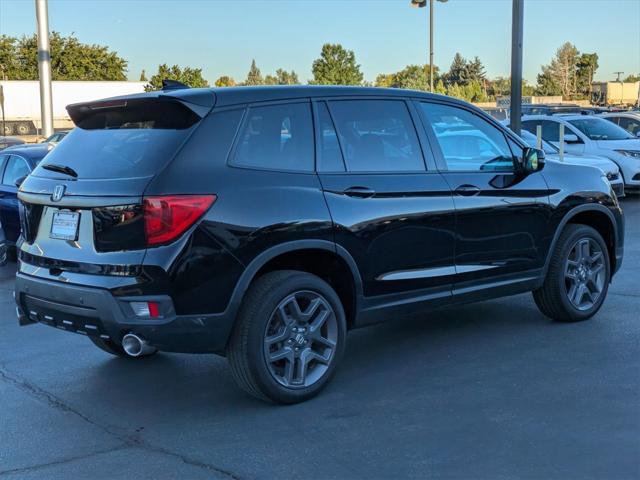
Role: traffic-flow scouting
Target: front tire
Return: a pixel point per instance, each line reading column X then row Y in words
column 289, row 337
column 578, row 278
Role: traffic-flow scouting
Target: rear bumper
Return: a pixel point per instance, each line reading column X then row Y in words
column 96, row 312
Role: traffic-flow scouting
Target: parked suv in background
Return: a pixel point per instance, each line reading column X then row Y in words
column 263, row 223
column 592, row 135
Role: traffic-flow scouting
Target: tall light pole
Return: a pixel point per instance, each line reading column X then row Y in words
column 517, row 24
column 44, row 67
column 422, row 4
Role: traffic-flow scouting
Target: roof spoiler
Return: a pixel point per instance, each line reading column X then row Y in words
column 199, row 100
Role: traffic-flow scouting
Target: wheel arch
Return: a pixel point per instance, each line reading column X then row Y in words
column 596, row 216
column 291, row 254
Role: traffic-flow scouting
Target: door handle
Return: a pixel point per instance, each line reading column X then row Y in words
column 467, row 190
column 360, row 192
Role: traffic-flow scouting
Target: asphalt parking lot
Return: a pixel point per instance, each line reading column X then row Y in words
column 488, row 391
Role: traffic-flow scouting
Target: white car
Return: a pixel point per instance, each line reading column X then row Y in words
column 630, row 121
column 592, row 135
column 608, row 168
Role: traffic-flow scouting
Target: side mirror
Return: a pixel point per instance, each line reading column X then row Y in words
column 20, row 180
column 571, row 138
column 532, row 160
column 638, row 134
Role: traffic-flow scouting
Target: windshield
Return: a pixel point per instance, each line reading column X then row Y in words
column 600, row 129
column 531, row 140
column 123, row 142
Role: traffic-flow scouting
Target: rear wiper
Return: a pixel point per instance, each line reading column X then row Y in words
column 60, row 169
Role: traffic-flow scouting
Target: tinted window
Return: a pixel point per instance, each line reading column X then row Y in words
column 630, row 125
column 550, row 130
column 599, row 129
column 467, row 141
column 136, row 139
column 277, row 137
column 377, row 136
column 329, row 155
column 16, row 168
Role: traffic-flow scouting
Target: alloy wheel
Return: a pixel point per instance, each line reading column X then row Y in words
column 300, row 339
column 585, row 273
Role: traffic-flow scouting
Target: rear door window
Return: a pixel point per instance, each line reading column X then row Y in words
column 277, row 137
column 377, row 136
column 15, row 169
column 134, row 139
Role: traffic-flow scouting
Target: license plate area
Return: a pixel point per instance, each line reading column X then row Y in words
column 64, row 225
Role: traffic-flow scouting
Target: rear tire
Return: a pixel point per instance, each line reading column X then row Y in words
column 113, row 348
column 578, row 278
column 289, row 337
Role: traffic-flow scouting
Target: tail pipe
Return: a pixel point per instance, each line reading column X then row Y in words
column 134, row 346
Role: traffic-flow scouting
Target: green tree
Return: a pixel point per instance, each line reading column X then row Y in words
column 476, row 71
column 143, row 77
column 632, row 78
column 191, row 77
column 336, row 66
column 384, row 80
column 458, row 70
column 440, row 88
column 414, row 77
column 560, row 76
column 282, row 77
column 254, row 77
column 225, row 81
column 502, row 86
column 586, row 69
column 70, row 59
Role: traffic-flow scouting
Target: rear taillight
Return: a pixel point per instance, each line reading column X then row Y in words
column 169, row 216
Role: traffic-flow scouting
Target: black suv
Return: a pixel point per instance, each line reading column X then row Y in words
column 263, row 223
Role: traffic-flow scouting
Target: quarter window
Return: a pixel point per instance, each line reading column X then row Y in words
column 277, row 137
column 377, row 136
column 16, row 168
column 468, row 142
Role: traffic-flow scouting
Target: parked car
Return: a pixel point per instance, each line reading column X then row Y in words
column 6, row 142
column 56, row 137
column 549, row 108
column 262, row 223
column 606, row 166
column 15, row 164
column 592, row 135
column 630, row 121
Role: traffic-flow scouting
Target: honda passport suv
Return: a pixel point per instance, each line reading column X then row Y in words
column 263, row 223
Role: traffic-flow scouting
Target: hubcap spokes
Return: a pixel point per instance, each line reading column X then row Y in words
column 300, row 339
column 584, row 274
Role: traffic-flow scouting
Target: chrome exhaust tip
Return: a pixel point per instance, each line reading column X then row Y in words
column 134, row 346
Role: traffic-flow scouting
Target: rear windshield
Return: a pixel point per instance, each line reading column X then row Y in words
column 133, row 140
column 600, row 129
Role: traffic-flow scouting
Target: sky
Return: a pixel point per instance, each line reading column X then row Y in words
column 222, row 37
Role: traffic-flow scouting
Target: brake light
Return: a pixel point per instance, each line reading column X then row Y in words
column 169, row 216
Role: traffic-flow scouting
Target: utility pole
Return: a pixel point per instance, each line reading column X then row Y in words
column 517, row 24
column 44, row 67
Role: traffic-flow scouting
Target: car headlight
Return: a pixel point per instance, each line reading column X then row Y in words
column 629, row 153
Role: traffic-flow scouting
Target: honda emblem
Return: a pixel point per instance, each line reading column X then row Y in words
column 58, row 193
